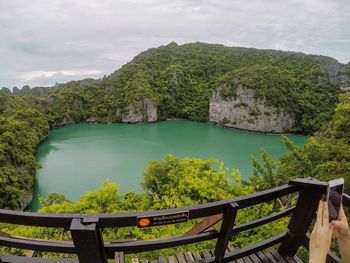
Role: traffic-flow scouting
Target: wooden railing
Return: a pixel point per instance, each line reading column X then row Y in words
column 87, row 242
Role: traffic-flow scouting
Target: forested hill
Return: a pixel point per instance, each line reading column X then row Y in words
column 175, row 81
column 188, row 81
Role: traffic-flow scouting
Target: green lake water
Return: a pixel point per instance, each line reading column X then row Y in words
column 79, row 158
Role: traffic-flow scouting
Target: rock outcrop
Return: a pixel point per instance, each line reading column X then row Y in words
column 92, row 120
column 5, row 90
column 346, row 89
column 142, row 111
column 24, row 201
column 244, row 111
column 63, row 122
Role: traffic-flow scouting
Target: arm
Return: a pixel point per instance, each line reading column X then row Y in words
column 342, row 233
column 321, row 236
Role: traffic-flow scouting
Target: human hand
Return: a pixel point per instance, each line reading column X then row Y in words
column 341, row 226
column 321, row 236
column 342, row 233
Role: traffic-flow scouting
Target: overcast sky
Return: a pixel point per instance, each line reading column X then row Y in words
column 47, row 41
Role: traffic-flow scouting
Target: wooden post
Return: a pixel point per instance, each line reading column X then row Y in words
column 88, row 241
column 228, row 221
column 311, row 193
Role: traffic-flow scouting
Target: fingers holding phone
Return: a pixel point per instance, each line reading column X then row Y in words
column 341, row 226
column 321, row 236
column 342, row 233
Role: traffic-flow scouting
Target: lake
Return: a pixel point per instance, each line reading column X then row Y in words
column 79, row 158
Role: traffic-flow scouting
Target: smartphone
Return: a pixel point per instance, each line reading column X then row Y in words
column 334, row 197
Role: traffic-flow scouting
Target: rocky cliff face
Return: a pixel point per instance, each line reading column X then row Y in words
column 243, row 111
column 143, row 111
column 24, row 200
column 346, row 89
column 338, row 72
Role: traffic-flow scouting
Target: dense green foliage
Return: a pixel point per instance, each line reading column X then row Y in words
column 175, row 182
column 21, row 130
column 179, row 80
column 326, row 155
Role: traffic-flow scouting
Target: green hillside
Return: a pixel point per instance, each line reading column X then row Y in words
column 179, row 81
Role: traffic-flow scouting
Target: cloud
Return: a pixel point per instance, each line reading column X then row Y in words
column 28, row 76
column 49, row 77
column 90, row 38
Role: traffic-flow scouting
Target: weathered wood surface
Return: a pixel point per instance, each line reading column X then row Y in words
column 266, row 256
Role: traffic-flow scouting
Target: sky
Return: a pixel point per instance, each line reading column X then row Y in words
column 47, row 41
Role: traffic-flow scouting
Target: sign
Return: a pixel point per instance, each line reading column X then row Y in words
column 147, row 221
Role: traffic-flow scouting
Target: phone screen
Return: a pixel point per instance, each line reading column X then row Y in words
column 334, row 201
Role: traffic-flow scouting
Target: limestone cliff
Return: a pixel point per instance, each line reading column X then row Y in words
column 142, row 111
column 63, row 122
column 244, row 111
column 24, row 201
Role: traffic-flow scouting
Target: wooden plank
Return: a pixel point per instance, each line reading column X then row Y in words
column 172, row 259
column 21, row 259
column 230, row 248
column 247, row 259
column 298, row 260
column 262, row 257
column 181, row 258
column 204, row 225
column 134, row 260
column 119, row 257
column 162, row 259
column 4, row 234
column 277, row 256
column 31, row 253
column 259, row 246
column 144, row 261
column 270, row 257
column 197, row 256
column 254, row 258
column 206, row 254
column 289, row 259
column 239, row 260
column 189, row 257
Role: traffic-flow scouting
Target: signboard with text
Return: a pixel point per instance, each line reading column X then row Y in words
column 159, row 220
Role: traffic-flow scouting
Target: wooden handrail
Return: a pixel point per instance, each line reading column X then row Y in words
column 88, row 227
column 346, row 200
column 4, row 234
column 262, row 221
column 45, row 245
column 130, row 219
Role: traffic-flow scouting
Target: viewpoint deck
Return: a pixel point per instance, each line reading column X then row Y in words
column 266, row 256
column 88, row 245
